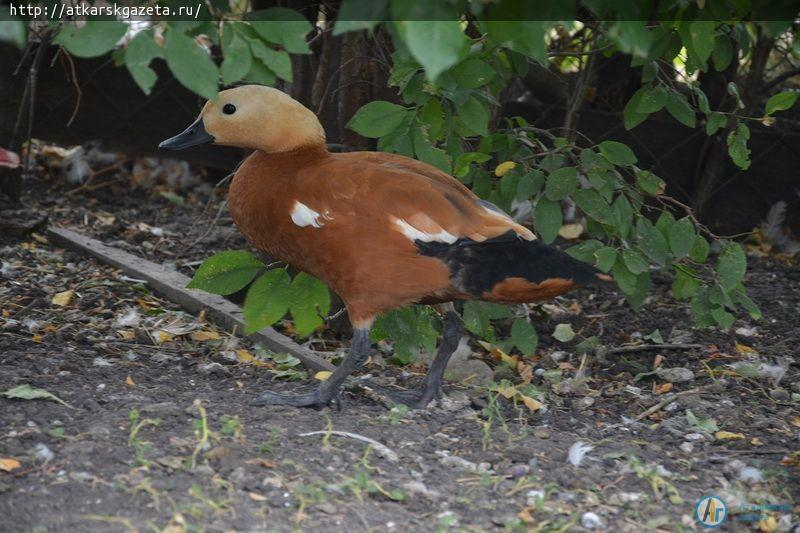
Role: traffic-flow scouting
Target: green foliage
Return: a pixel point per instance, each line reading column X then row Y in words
column 226, row 272
column 781, row 101
column 92, row 39
column 410, row 328
column 191, row 64
column 12, row 30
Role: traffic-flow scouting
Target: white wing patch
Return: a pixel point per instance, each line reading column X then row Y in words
column 415, row 234
column 303, row 216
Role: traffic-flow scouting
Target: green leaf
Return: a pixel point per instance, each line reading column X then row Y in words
column 563, row 333
column 475, row 116
column 634, row 286
column 617, row 153
column 473, row 73
column 93, row 39
column 702, row 38
column 561, row 183
column 427, row 152
column 781, row 101
column 277, row 61
column 477, row 317
column 355, row 15
column 191, row 64
column 585, row 251
column 606, row 257
column 650, row 183
column 436, row 44
column 678, row 106
column 635, row 261
column 685, row 284
column 742, row 299
column 737, row 146
column 226, row 272
column 709, row 425
column 466, row 159
column 530, row 184
column 630, row 114
column 681, row 237
column 267, row 300
column 409, row 327
column 731, row 266
column 282, row 26
column 310, row 301
column 260, row 74
column 377, row 119
column 714, row 122
column 700, row 249
column 12, row 30
column 237, row 62
column 652, row 100
column 593, row 205
column 723, row 52
column 526, row 35
column 547, row 219
column 652, row 242
column 27, row 392
column 138, row 55
column 524, row 336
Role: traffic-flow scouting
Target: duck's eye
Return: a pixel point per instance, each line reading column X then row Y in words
column 229, row 109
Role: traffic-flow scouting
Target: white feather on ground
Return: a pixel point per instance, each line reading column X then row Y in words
column 578, row 451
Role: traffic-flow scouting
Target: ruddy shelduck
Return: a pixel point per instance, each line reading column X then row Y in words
column 380, row 229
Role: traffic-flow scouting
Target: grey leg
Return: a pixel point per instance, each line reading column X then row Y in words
column 328, row 391
column 431, row 387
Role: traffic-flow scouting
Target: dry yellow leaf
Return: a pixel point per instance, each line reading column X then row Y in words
column 570, row 231
column 768, row 524
column 744, row 349
column 256, row 497
column 244, row 356
column 62, row 298
column 37, row 338
column 530, row 403
column 204, row 335
column 755, row 441
column 796, row 421
column 497, row 353
column 129, row 382
column 39, row 238
column 504, row 167
column 126, row 334
column 725, row 435
column 322, row 375
column 163, row 336
column 506, row 392
column 7, row 464
column 664, row 388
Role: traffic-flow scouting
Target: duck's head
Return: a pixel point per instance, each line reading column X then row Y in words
column 252, row 116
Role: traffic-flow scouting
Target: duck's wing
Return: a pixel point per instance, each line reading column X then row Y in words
column 428, row 205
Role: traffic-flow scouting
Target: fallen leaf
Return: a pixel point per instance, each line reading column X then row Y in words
column 39, row 238
column 570, row 231
column 525, row 372
column 26, row 392
column 503, row 357
column 62, row 298
column 563, row 333
column 7, row 464
column 796, row 421
column 204, row 335
column 163, row 336
column 126, row 334
column 36, row 338
column 322, row 375
column 768, row 524
column 530, row 403
column 744, row 349
column 725, row 435
column 266, row 463
column 755, row 441
column 525, row 515
column 256, row 497
column 657, row 360
column 664, row 388
column 566, row 365
column 129, row 382
column 506, row 392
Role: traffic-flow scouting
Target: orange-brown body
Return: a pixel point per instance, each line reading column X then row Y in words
column 358, row 251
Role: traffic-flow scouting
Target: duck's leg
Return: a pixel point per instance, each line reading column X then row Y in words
column 328, row 391
column 431, row 387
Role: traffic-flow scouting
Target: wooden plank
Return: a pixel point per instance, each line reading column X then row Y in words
column 172, row 285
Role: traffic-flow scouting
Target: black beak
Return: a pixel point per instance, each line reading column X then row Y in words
column 194, row 135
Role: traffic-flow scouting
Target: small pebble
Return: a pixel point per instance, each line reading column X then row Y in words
column 591, row 520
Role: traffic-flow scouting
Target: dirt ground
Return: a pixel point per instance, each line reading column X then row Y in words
column 158, row 435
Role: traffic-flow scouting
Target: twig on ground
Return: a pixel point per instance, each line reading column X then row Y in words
column 669, row 398
column 647, row 347
column 382, row 450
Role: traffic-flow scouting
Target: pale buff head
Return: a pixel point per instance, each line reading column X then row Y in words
column 253, row 116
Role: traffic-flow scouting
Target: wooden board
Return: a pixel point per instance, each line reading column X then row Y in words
column 172, row 285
